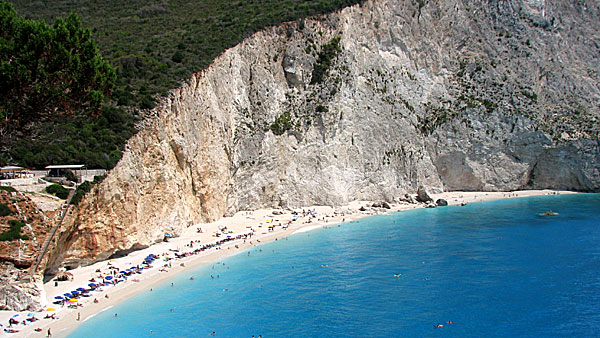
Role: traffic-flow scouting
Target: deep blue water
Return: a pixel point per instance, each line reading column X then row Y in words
column 495, row 269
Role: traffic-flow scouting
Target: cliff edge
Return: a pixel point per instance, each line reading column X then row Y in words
column 367, row 103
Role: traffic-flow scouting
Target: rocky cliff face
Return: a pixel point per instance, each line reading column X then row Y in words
column 368, row 103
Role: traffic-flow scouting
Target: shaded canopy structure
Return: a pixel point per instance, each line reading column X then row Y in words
column 12, row 171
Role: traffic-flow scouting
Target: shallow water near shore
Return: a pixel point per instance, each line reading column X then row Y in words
column 495, row 269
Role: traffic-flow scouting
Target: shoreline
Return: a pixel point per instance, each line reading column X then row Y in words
column 258, row 221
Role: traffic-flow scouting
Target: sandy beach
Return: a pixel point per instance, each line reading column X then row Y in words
column 264, row 226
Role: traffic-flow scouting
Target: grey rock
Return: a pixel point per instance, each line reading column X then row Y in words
column 441, row 202
column 407, row 199
column 423, row 196
column 18, row 290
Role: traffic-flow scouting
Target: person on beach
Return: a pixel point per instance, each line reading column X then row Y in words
column 78, row 316
column 49, row 333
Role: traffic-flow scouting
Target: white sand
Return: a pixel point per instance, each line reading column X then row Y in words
column 243, row 222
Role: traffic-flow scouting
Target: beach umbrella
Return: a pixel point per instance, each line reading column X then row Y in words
column 80, row 289
column 58, row 297
column 108, row 277
column 75, row 293
column 93, row 285
column 30, row 314
column 73, row 300
column 123, row 272
column 50, row 309
column 68, row 295
column 15, row 316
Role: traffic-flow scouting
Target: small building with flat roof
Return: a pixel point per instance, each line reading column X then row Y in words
column 12, row 171
column 60, row 170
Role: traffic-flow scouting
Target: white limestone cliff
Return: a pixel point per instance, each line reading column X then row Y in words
column 499, row 95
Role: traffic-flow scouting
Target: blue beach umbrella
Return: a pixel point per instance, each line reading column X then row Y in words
column 15, row 316
column 58, row 297
column 80, row 289
column 108, row 277
column 93, row 285
column 30, row 314
column 68, row 295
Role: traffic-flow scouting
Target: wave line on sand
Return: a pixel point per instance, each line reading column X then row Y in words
column 94, row 315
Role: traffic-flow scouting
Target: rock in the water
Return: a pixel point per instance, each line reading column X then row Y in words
column 441, row 202
column 423, row 196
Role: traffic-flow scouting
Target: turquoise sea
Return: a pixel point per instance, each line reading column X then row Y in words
column 494, row 269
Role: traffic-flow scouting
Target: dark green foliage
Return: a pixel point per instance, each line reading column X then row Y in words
column 58, row 190
column 70, row 176
column 141, row 38
column 5, row 210
column 530, row 95
column 153, row 46
column 99, row 178
column 9, row 189
column 324, row 60
column 48, row 70
column 322, row 109
column 15, row 231
column 282, row 124
column 95, row 142
column 82, row 189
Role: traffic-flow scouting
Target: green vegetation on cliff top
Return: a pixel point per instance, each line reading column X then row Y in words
column 154, row 46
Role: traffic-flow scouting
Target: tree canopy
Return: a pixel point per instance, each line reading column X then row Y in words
column 48, row 70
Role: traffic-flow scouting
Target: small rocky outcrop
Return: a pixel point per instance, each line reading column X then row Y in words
column 423, row 196
column 441, row 202
column 383, row 205
column 19, row 291
column 407, row 199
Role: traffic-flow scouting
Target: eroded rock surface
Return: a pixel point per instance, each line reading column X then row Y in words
column 471, row 95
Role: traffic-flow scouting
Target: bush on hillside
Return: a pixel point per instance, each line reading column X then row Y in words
column 82, row 189
column 5, row 210
column 9, row 189
column 15, row 231
column 58, row 190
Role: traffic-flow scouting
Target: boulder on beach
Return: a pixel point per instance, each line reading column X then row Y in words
column 407, row 199
column 423, row 196
column 441, row 202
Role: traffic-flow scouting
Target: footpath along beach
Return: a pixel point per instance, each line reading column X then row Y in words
column 194, row 248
